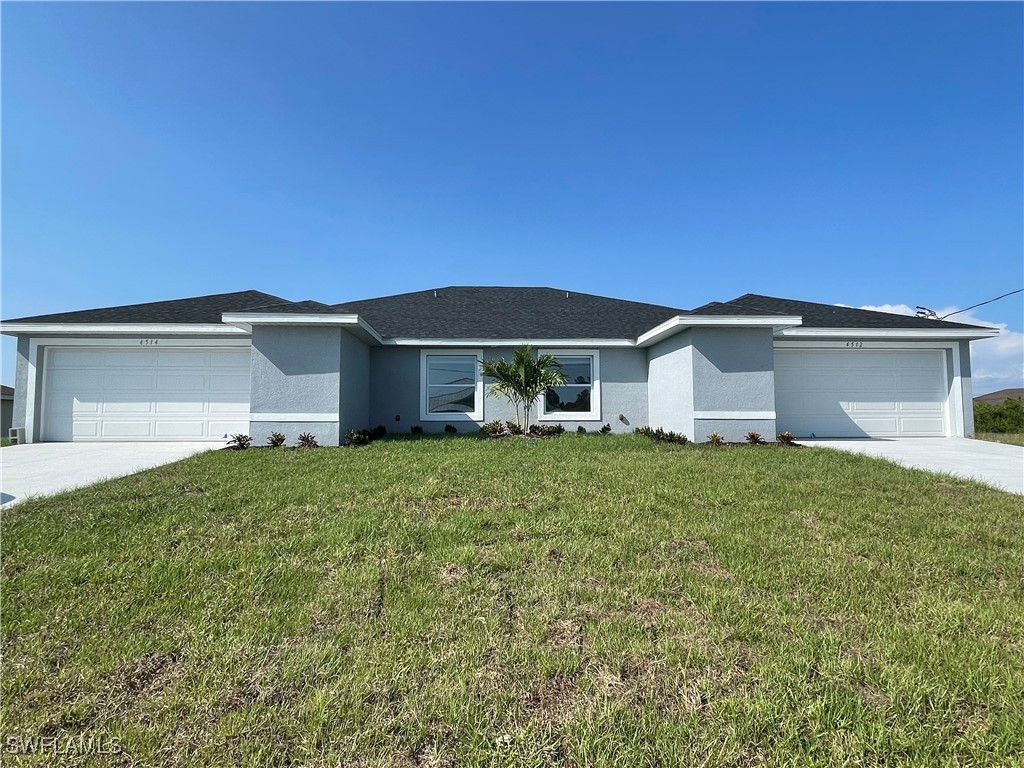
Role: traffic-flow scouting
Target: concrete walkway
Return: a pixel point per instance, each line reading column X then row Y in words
column 39, row 469
column 995, row 464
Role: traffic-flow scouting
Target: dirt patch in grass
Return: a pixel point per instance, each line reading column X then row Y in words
column 146, row 674
column 452, row 574
column 711, row 568
column 565, row 634
column 554, row 701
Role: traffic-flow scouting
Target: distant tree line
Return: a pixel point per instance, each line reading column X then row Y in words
column 1006, row 417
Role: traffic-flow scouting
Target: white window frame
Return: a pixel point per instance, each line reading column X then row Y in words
column 594, row 414
column 477, row 413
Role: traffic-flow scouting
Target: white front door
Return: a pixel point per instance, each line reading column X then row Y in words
column 862, row 392
column 121, row 393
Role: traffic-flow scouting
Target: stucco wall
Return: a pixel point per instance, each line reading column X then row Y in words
column 395, row 391
column 670, row 390
column 968, row 387
column 354, row 410
column 21, row 383
column 733, row 369
column 701, row 374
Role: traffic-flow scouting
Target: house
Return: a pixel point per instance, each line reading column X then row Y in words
column 6, row 408
column 998, row 398
column 206, row 367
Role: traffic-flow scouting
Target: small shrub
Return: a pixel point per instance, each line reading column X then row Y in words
column 754, row 438
column 308, row 440
column 660, row 435
column 715, row 438
column 581, row 430
column 494, row 429
column 450, row 429
column 605, row 429
column 359, row 437
column 276, row 440
column 786, row 438
column 546, row 430
column 378, row 432
column 513, row 427
column 239, row 442
column 417, row 430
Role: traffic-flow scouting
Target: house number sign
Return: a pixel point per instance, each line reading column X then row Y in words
column 856, row 344
column 148, row 342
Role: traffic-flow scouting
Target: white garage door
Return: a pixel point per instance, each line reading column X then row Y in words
column 861, row 392
column 121, row 393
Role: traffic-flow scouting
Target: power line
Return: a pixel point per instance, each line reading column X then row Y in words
column 973, row 306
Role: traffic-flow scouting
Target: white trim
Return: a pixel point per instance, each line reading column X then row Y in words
column 409, row 342
column 33, row 353
column 954, row 417
column 134, row 329
column 889, row 333
column 734, row 415
column 681, row 322
column 477, row 414
column 294, row 417
column 246, row 320
column 594, row 414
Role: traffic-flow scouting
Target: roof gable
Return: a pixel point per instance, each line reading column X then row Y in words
column 196, row 310
column 817, row 315
column 468, row 312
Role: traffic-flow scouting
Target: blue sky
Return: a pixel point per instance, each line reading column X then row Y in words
column 864, row 154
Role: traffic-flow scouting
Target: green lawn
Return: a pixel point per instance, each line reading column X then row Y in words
column 581, row 601
column 1000, row 437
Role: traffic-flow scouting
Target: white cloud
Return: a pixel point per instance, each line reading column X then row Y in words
column 996, row 363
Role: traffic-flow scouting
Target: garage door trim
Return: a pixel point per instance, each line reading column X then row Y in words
column 36, row 368
column 951, row 350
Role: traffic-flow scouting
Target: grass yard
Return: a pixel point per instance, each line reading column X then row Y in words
column 583, row 601
column 1000, row 437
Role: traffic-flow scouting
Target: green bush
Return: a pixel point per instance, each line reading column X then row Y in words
column 1007, row 417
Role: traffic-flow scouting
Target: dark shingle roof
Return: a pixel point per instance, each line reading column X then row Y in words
column 507, row 313
column 199, row 309
column 822, row 315
column 6, row 392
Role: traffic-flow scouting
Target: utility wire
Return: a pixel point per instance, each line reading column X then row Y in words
column 973, row 306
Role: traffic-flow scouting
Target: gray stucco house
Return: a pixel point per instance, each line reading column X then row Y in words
column 206, row 367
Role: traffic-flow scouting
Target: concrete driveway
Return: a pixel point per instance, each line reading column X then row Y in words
column 1001, row 466
column 39, row 469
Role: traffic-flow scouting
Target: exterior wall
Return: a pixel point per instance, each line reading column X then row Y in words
column 318, row 375
column 707, row 380
column 21, row 384
column 354, row 409
column 395, row 391
column 670, row 383
column 966, row 385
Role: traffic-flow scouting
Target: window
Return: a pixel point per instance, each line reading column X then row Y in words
column 579, row 399
column 451, row 388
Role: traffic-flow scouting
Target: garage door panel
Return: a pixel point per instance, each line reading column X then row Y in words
column 169, row 383
column 222, row 382
column 231, row 358
column 132, row 394
column 858, row 393
column 166, row 407
column 126, row 406
column 86, row 429
column 223, row 429
column 183, row 359
column 130, row 358
column 195, row 429
column 75, row 381
column 126, row 430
